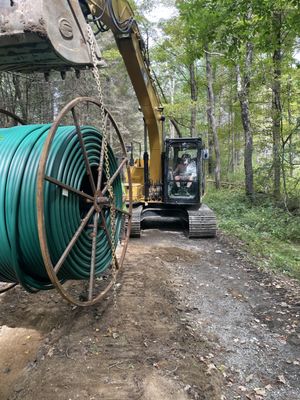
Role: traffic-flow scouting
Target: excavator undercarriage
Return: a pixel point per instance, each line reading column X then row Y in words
column 198, row 222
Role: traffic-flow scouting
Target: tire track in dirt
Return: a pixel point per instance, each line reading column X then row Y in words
column 195, row 319
column 139, row 350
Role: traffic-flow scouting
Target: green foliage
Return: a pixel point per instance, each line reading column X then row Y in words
column 111, row 55
column 268, row 232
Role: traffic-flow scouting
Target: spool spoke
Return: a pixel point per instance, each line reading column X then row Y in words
column 125, row 212
column 93, row 257
column 120, row 210
column 84, row 153
column 73, row 240
column 101, row 162
column 105, row 227
column 69, row 188
column 115, row 175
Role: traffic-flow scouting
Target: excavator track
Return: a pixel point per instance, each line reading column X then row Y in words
column 135, row 231
column 202, row 222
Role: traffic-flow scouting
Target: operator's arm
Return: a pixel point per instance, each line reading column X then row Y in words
column 176, row 170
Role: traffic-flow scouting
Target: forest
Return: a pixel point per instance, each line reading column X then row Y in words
column 227, row 71
column 201, row 301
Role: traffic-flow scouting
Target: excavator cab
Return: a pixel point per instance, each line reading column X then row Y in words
column 184, row 171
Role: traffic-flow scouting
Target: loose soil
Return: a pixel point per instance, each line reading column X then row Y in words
column 191, row 319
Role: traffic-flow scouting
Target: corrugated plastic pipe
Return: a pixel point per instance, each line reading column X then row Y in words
column 20, row 255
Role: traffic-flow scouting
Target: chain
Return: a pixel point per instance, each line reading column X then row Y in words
column 22, row 10
column 96, row 75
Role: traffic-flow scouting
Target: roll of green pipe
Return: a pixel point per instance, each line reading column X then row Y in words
column 20, row 254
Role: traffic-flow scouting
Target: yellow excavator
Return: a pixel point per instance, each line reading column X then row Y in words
column 42, row 35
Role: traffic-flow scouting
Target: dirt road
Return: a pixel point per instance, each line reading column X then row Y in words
column 193, row 319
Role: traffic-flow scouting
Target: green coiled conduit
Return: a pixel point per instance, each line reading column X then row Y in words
column 20, row 255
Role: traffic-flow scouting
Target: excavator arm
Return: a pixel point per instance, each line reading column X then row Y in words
column 38, row 35
column 118, row 16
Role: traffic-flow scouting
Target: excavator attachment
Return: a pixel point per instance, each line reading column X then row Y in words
column 41, row 35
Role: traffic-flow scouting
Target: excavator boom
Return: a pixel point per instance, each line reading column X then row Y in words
column 39, row 35
column 119, row 17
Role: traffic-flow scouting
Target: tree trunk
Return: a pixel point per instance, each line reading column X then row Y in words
column 276, row 103
column 172, row 95
column 212, row 119
column 210, row 149
column 194, row 98
column 231, row 135
column 291, row 170
column 18, row 92
column 243, row 85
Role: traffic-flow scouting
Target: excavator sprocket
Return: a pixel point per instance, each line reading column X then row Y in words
column 202, row 222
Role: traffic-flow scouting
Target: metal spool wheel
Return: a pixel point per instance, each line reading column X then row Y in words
column 95, row 288
column 13, row 116
column 6, row 287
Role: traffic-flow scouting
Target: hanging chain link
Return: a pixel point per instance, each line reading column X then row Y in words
column 22, row 8
column 96, row 75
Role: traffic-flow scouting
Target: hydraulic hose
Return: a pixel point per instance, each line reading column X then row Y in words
column 20, row 253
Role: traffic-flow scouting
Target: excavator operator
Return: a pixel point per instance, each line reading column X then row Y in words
column 185, row 171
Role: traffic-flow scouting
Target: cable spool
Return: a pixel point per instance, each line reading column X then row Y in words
column 5, row 287
column 48, row 200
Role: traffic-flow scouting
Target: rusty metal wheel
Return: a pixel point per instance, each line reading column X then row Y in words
column 94, row 194
column 5, row 287
column 13, row 116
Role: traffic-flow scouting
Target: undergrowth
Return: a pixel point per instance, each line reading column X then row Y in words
column 268, row 232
